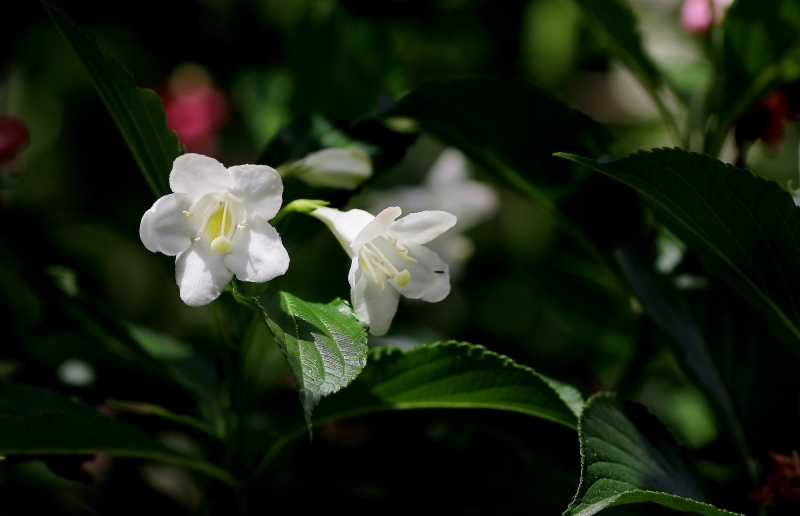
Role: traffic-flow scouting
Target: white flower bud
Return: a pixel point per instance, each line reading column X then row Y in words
column 331, row 168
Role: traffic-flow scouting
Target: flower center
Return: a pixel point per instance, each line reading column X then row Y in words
column 379, row 267
column 222, row 215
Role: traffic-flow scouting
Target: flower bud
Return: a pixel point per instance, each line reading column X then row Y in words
column 331, row 168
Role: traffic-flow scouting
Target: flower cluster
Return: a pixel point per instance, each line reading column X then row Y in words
column 216, row 224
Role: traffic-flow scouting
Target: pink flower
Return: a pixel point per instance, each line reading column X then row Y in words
column 697, row 15
column 14, row 136
column 196, row 110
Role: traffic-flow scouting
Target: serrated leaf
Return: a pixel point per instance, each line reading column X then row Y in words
column 137, row 112
column 324, row 344
column 759, row 37
column 509, row 126
column 35, row 421
column 457, row 375
column 444, row 375
column 744, row 228
column 629, row 457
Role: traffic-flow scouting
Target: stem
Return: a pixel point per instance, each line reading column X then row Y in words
column 297, row 206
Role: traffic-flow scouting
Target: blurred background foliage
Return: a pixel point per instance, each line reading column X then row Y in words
column 234, row 74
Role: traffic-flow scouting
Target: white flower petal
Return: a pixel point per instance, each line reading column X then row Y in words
column 164, row 227
column 259, row 187
column 197, row 175
column 419, row 228
column 430, row 275
column 345, row 225
column 455, row 249
column 373, row 306
column 201, row 275
column 378, row 227
column 257, row 253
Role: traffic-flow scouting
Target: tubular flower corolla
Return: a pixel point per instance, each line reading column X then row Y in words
column 389, row 259
column 215, row 224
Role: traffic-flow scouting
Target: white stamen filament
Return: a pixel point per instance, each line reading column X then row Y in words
column 377, row 265
column 400, row 249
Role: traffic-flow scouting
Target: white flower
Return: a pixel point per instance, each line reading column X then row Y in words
column 331, row 168
column 447, row 187
column 216, row 225
column 388, row 259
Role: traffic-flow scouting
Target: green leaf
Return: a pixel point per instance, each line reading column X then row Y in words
column 759, row 38
column 510, row 126
column 138, row 112
column 618, row 22
column 456, row 375
column 672, row 312
column 444, row 375
column 35, row 421
column 744, row 228
column 629, row 457
column 752, row 364
column 324, row 344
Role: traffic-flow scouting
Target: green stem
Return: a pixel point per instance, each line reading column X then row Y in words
column 297, row 206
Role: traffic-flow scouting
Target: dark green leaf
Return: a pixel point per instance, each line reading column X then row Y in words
column 671, row 311
column 457, row 375
column 325, row 345
column 629, row 457
column 759, row 37
column 34, row 421
column 753, row 366
column 744, row 228
column 509, row 126
column 446, row 375
column 138, row 112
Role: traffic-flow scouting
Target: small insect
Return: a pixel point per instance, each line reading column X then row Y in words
column 439, row 272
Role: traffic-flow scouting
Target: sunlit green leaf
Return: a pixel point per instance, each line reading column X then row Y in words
column 744, row 228
column 325, row 345
column 629, row 457
column 457, row 375
column 138, row 112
